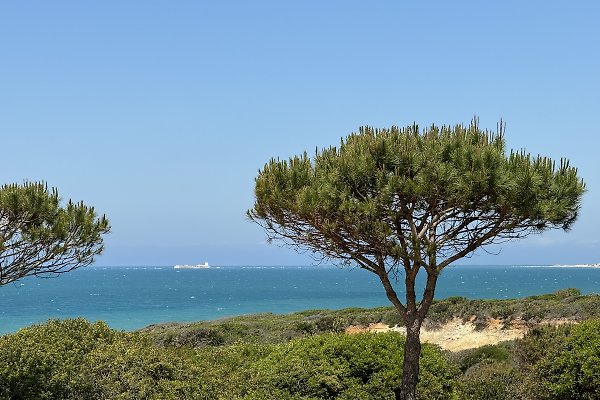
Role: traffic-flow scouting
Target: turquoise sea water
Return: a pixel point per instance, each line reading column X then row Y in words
column 133, row 297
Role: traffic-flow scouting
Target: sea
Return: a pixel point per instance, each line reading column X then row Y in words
column 131, row 297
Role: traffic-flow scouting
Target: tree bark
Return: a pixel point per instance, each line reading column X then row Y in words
column 412, row 351
column 412, row 346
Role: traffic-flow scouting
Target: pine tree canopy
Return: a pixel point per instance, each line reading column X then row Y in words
column 413, row 198
column 38, row 236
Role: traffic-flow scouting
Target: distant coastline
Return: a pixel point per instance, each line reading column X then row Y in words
column 576, row 265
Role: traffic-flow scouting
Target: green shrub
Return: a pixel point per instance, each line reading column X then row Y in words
column 39, row 362
column 558, row 295
column 199, row 337
column 132, row 368
column 490, row 353
column 490, row 380
column 538, row 342
column 330, row 323
column 362, row 366
column 570, row 368
column 226, row 371
column 566, row 293
column 392, row 317
column 305, row 327
column 74, row 359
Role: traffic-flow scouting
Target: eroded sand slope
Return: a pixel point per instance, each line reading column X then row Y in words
column 456, row 334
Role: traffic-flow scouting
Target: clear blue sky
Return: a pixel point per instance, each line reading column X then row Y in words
column 160, row 113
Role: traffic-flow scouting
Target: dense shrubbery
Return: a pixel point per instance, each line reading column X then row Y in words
column 549, row 363
column 74, row 359
column 362, row 366
column 243, row 358
column 267, row 327
column 570, row 366
column 489, row 353
column 563, row 304
column 491, row 381
column 41, row 361
column 227, row 372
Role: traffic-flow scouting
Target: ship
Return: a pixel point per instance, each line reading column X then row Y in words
column 197, row 266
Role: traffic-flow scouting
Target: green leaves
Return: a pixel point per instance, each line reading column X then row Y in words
column 342, row 366
column 455, row 184
column 38, row 236
column 563, row 362
column 75, row 359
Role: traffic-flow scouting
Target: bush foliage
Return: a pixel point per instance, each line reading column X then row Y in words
column 75, row 359
column 570, row 366
column 362, row 366
column 490, row 381
column 549, row 363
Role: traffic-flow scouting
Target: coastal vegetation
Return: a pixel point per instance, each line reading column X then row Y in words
column 268, row 328
column 308, row 355
column 401, row 201
column 38, row 236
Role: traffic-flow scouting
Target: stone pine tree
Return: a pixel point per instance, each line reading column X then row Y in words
column 39, row 237
column 402, row 201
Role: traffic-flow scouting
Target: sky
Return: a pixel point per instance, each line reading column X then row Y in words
column 160, row 113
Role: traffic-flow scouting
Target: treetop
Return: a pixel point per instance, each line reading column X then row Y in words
column 448, row 187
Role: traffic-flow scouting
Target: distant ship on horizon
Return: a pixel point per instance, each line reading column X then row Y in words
column 197, row 266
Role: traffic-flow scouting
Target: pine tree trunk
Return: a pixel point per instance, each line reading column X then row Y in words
column 412, row 351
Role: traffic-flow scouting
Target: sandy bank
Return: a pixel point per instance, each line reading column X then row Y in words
column 456, row 334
